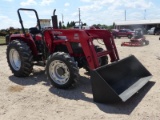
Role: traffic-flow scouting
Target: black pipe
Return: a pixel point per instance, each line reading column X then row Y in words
column 54, row 20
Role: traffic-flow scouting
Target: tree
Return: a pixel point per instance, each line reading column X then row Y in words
column 103, row 26
column 63, row 27
column 68, row 25
column 84, row 24
column 114, row 25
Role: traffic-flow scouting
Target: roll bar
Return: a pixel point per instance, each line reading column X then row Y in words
column 20, row 18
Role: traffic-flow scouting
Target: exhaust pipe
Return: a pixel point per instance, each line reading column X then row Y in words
column 54, row 20
column 118, row 81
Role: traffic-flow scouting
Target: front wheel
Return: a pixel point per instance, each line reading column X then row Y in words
column 62, row 70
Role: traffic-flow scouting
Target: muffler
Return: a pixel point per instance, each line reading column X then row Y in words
column 118, row 81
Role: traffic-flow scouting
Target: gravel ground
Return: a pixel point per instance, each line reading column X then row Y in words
column 33, row 98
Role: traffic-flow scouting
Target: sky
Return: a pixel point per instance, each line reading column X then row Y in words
column 91, row 11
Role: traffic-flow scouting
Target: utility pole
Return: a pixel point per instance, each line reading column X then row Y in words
column 145, row 14
column 62, row 20
column 79, row 18
column 125, row 14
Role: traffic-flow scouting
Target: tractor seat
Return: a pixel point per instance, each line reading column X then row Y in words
column 34, row 30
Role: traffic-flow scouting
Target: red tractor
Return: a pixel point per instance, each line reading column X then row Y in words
column 64, row 51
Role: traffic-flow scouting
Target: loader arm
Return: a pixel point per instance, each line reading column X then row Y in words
column 108, row 41
column 85, row 38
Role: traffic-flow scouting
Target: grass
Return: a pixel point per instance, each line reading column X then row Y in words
column 2, row 40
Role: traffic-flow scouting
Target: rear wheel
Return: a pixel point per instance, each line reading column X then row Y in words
column 19, row 58
column 147, row 42
column 143, row 43
column 62, row 70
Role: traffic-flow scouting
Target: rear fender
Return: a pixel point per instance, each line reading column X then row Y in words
column 27, row 39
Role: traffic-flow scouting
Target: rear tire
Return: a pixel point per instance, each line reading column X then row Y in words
column 19, row 58
column 62, row 70
column 147, row 42
column 144, row 42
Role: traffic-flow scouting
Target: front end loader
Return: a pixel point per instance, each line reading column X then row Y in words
column 64, row 51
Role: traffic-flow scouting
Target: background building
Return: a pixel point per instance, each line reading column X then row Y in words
column 45, row 23
column 145, row 25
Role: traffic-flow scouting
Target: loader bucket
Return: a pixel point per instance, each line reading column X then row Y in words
column 118, row 81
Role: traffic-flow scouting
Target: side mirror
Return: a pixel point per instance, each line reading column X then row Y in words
column 159, row 38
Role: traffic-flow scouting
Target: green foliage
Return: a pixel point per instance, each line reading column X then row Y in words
column 10, row 30
column 84, row 24
column 70, row 24
column 63, row 27
column 2, row 40
column 103, row 26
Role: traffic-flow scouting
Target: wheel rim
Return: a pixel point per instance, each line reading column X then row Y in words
column 15, row 59
column 59, row 72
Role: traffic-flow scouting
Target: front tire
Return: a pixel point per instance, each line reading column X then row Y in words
column 62, row 70
column 19, row 58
